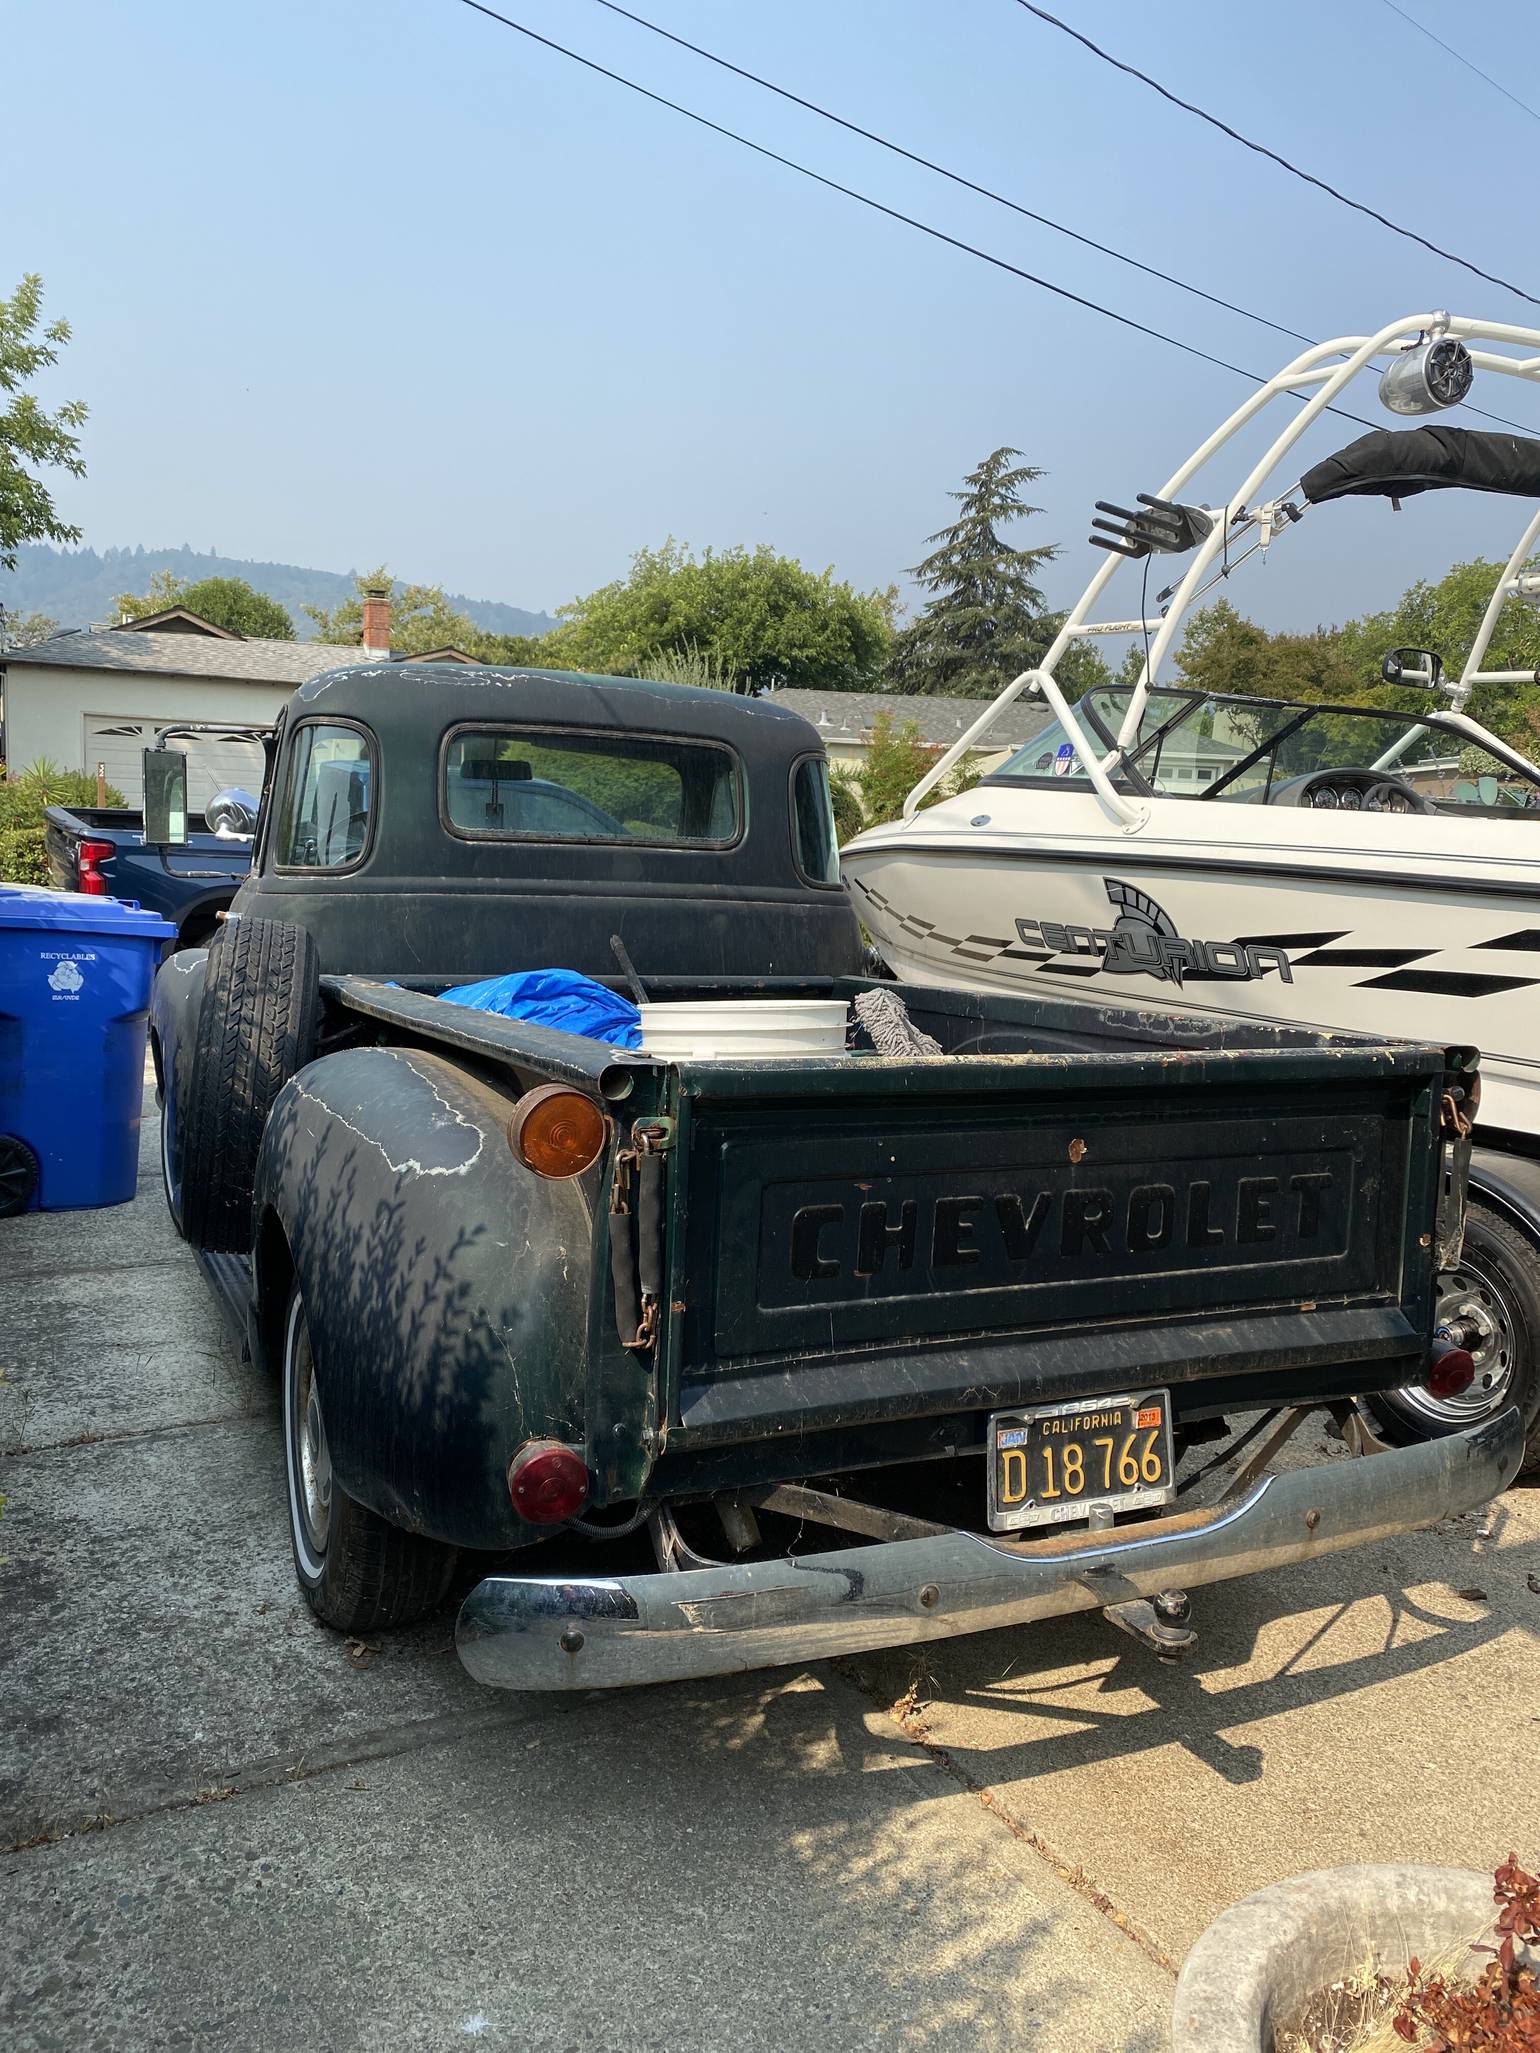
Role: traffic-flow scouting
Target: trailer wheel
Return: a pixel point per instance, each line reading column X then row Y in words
column 1495, row 1290
column 358, row 1572
column 256, row 1027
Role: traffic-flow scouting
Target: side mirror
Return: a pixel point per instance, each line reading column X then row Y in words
column 165, row 798
column 1413, row 666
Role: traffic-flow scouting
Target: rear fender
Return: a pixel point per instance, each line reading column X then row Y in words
column 446, row 1286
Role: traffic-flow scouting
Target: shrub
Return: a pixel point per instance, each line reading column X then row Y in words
column 22, row 827
column 846, row 798
column 895, row 762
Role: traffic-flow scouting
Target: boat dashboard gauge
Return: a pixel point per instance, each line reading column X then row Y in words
column 1324, row 798
column 1351, row 799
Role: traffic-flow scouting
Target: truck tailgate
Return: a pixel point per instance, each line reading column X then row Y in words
column 882, row 1237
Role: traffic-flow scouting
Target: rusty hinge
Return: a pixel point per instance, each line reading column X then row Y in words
column 636, row 1233
column 1452, row 1116
column 1454, row 1174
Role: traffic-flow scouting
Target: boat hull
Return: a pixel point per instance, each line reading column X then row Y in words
column 1182, row 931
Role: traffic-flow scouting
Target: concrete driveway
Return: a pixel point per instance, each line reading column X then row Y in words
column 223, row 1826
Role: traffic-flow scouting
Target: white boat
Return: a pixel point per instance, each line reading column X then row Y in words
column 1328, row 866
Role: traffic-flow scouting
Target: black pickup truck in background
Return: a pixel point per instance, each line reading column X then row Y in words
column 186, row 869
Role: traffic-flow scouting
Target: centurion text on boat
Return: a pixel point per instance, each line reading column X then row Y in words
column 1387, row 865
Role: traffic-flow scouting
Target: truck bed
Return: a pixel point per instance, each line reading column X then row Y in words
column 187, row 883
column 866, row 1256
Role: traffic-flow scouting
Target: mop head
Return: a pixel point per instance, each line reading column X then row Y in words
column 891, row 1029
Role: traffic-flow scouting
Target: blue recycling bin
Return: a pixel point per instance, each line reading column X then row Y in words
column 75, row 977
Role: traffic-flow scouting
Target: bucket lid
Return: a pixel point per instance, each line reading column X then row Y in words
column 76, row 912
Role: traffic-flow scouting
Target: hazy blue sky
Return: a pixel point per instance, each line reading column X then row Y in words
column 353, row 282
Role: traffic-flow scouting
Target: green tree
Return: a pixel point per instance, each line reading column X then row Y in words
column 1445, row 617
column 758, row 617
column 1222, row 651
column 25, row 630
column 519, row 651
column 421, row 620
column 31, row 438
column 986, row 619
column 227, row 601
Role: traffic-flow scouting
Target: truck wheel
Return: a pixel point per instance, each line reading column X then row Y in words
column 1496, row 1290
column 358, row 1572
column 256, row 1027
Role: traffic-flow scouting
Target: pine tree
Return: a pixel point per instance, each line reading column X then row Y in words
column 986, row 619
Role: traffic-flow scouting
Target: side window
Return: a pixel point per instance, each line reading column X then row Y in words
column 812, row 822
column 327, row 798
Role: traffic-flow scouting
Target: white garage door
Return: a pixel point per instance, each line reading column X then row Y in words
column 211, row 763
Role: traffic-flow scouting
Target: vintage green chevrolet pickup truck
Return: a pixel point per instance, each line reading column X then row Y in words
column 965, row 1310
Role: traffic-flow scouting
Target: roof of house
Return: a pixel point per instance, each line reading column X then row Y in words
column 941, row 721
column 180, row 620
column 132, row 649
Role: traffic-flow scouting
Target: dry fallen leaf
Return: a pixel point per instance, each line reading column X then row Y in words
column 362, row 1652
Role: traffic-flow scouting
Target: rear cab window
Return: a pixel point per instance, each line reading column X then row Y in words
column 328, row 798
column 567, row 784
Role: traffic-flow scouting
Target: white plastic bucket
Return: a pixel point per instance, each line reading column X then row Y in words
column 721, row 1029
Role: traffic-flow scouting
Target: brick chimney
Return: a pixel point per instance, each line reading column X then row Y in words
column 377, row 620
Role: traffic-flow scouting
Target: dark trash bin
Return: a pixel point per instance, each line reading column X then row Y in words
column 75, row 977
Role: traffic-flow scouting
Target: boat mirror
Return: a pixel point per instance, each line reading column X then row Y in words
column 1413, row 666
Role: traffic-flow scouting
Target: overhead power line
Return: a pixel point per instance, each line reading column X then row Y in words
column 987, row 192
column 879, row 206
column 1496, row 84
column 956, row 177
column 1260, row 150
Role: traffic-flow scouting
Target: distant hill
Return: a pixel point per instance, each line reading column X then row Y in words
column 76, row 587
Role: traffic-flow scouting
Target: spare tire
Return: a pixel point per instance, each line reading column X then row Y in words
column 256, row 1027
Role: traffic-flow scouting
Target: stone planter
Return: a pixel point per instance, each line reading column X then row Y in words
column 1259, row 1962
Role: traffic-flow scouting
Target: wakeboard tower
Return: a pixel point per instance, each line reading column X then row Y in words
column 1340, row 867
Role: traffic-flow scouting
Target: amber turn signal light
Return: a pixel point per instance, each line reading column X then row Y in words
column 556, row 1131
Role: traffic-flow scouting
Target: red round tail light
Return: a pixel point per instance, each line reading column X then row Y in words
column 1451, row 1371
column 548, row 1482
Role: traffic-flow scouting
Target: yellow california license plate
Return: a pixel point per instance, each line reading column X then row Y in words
column 1052, row 1462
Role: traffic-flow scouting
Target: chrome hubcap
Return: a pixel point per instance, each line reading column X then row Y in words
column 1471, row 1299
column 315, row 1463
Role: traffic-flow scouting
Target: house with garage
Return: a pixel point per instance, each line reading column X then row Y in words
column 101, row 695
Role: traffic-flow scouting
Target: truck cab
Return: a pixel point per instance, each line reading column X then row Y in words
column 434, row 820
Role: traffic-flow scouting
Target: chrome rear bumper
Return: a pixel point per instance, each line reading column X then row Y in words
column 527, row 1632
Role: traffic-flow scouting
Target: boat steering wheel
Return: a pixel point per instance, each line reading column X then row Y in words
column 1391, row 795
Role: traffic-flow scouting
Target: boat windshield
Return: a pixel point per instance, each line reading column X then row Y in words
column 1191, row 745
